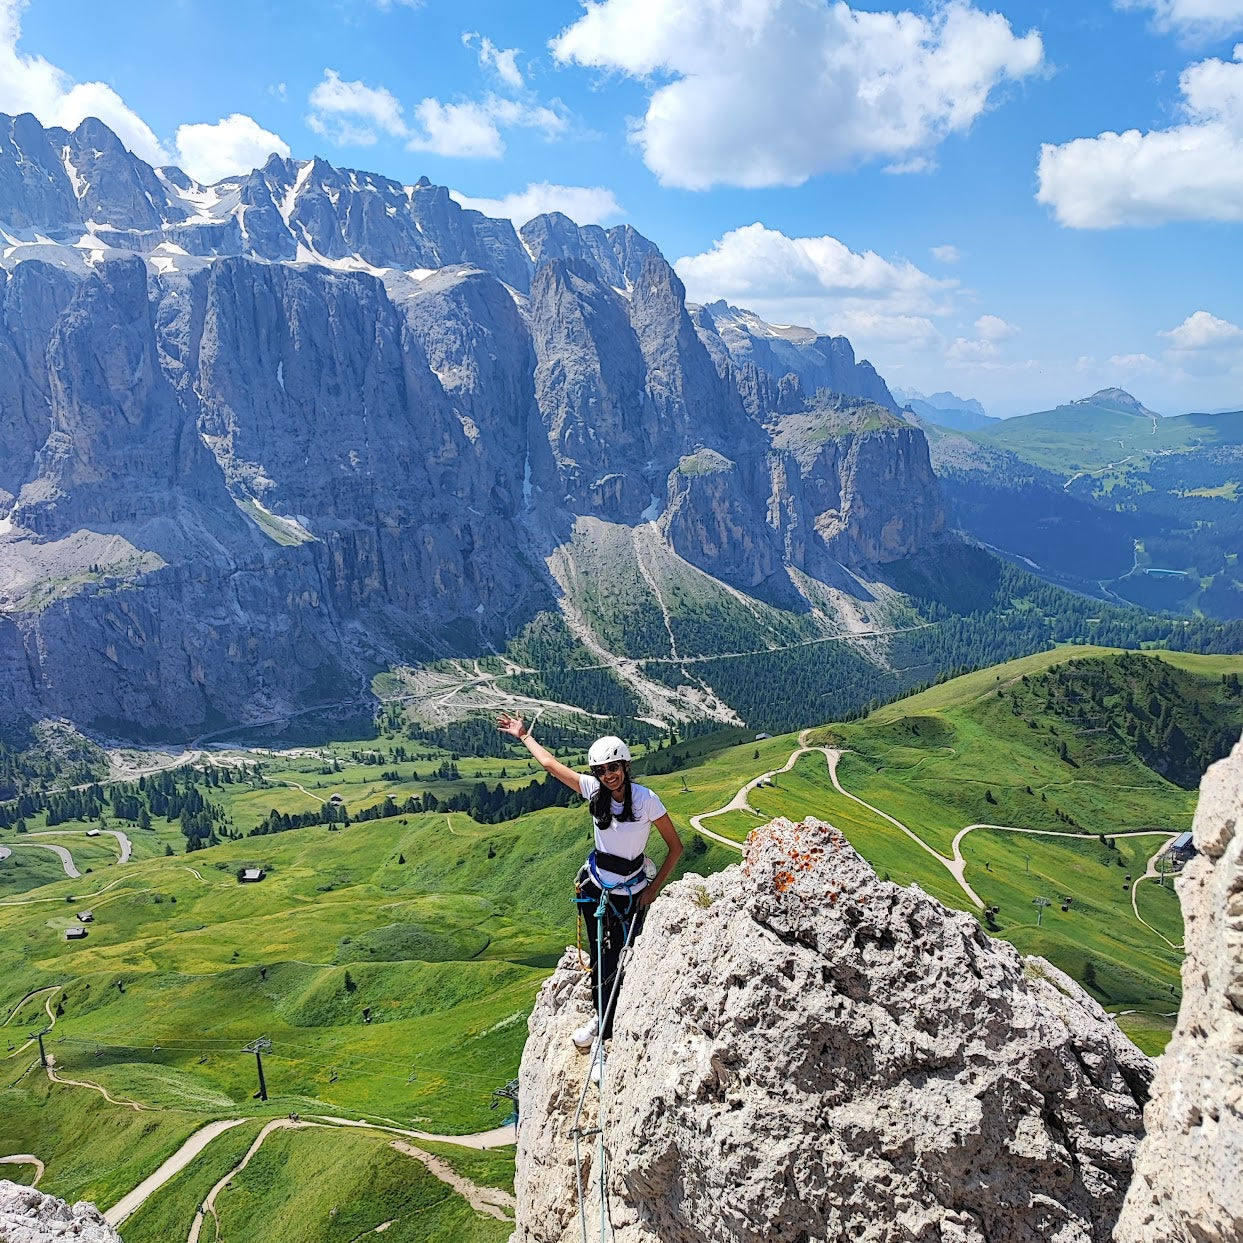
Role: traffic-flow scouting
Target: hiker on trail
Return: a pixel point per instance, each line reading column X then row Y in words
column 624, row 813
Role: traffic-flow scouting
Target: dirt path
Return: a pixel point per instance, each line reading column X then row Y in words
column 81, row 897
column 209, row 1204
column 740, row 802
column 24, row 1158
column 491, row 1201
column 956, row 866
column 1151, row 873
column 488, row 1200
column 130, row 1203
column 51, row 988
column 95, row 1087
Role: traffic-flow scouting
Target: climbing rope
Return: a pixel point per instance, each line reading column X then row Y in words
column 598, row 1053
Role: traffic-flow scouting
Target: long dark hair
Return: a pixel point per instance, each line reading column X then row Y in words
column 602, row 803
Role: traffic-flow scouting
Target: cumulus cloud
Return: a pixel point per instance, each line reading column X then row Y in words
column 1192, row 17
column 946, row 254
column 472, row 128
column 352, row 113
column 233, row 145
column 32, row 84
column 1204, row 331
column 583, row 204
column 994, row 328
column 772, row 92
column 821, row 282
column 1191, row 171
column 355, row 114
column 502, row 61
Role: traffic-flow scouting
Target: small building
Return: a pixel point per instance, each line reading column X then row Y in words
column 86, row 917
column 1182, row 848
column 336, row 800
column 761, row 737
column 92, row 832
column 251, row 875
column 75, row 932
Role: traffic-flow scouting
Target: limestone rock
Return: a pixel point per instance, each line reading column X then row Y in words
column 803, row 1052
column 1187, row 1183
column 28, row 1216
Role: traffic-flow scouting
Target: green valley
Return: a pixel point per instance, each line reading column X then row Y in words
column 392, row 948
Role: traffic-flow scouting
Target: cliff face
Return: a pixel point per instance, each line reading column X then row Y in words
column 261, row 438
column 1187, row 1186
column 805, row 1052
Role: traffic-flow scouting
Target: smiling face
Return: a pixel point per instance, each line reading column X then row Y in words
column 612, row 776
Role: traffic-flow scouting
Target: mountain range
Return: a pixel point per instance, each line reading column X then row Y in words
column 263, row 440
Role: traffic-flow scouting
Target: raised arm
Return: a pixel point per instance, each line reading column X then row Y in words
column 515, row 727
column 674, row 843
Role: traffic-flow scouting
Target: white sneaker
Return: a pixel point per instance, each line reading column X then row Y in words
column 584, row 1036
column 597, row 1063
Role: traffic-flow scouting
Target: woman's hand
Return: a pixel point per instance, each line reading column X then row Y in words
column 512, row 725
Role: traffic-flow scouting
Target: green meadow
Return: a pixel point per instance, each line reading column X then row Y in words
column 393, row 963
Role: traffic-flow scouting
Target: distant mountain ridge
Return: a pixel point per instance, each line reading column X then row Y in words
column 270, row 436
column 947, row 410
column 1105, row 495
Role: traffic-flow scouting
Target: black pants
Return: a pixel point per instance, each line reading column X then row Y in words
column 620, row 908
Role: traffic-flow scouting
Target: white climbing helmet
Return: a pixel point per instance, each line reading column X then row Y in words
column 608, row 748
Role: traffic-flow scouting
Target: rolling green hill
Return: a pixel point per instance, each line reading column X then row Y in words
column 393, row 962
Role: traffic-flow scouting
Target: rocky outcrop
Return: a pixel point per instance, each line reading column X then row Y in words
column 805, row 1052
column 28, row 1216
column 1187, row 1186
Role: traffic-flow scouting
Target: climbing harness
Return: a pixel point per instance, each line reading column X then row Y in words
column 629, row 888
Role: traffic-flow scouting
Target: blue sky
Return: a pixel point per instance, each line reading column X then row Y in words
column 1021, row 203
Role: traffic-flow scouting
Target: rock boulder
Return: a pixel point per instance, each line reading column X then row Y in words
column 805, row 1052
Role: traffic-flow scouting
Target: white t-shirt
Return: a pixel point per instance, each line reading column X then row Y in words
column 626, row 838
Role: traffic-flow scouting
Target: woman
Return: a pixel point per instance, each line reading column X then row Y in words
column 624, row 813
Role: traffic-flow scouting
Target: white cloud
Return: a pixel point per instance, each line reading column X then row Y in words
column 1203, row 331
column 472, row 128
column 1192, row 17
column 583, row 204
column 772, row 92
column 32, row 84
column 502, row 61
column 1192, row 171
column 994, row 328
column 233, row 145
column 964, row 352
column 385, row 5
column 946, row 254
column 821, row 282
column 352, row 113
column 1134, row 363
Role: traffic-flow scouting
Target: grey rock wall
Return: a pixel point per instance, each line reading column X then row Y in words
column 1188, row 1187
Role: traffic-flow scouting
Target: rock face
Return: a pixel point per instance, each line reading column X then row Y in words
column 28, row 1216
column 261, row 439
column 803, row 1052
column 1187, row 1186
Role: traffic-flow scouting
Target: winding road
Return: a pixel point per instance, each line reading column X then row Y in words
column 955, row 864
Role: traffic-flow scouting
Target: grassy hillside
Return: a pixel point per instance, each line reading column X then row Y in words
column 393, row 962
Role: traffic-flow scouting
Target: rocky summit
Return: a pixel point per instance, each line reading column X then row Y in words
column 261, row 439
column 804, row 1052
